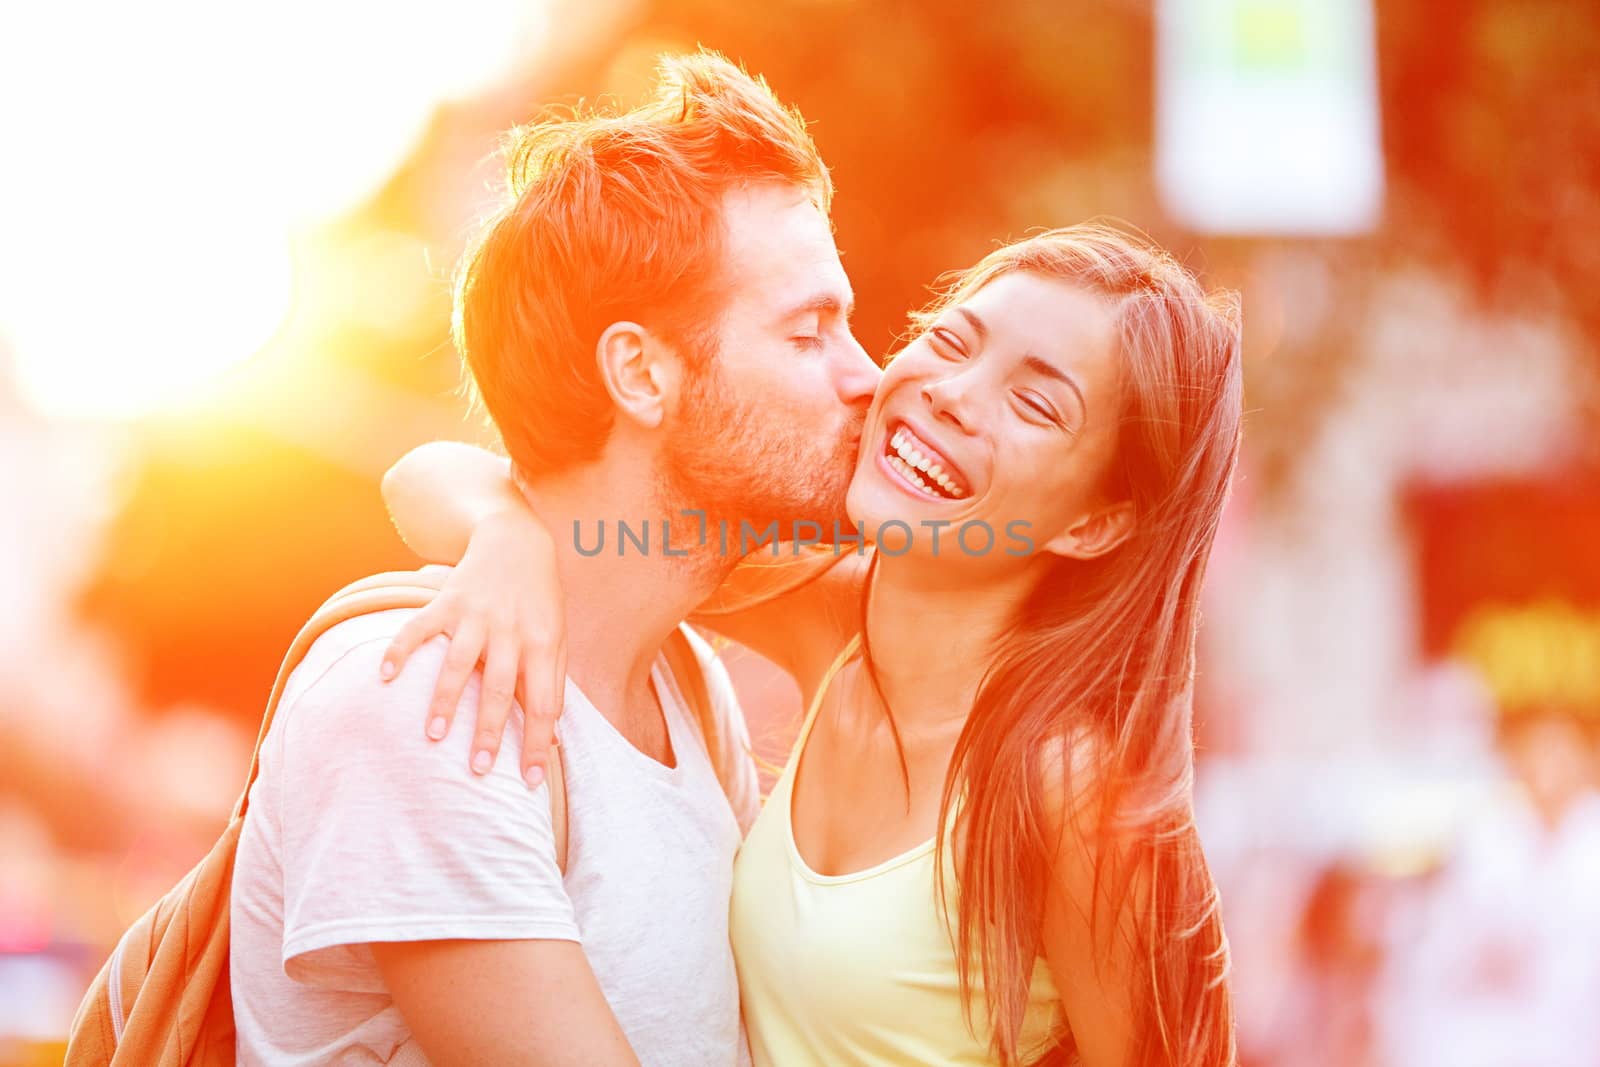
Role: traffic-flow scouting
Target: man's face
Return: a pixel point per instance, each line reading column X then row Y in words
column 1551, row 757
column 769, row 430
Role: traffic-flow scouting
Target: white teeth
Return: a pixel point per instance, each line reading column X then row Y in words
column 905, row 469
column 910, row 461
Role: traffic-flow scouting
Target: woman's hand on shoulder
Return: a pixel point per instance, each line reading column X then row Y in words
column 501, row 607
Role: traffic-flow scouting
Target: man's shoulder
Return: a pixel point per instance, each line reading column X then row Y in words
column 719, row 685
column 337, row 711
column 340, row 669
column 336, row 645
column 735, row 766
column 368, row 611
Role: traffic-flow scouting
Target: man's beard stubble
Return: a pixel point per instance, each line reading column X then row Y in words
column 740, row 467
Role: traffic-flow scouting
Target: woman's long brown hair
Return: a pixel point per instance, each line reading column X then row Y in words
column 1091, row 691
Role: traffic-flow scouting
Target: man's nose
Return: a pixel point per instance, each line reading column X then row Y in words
column 856, row 377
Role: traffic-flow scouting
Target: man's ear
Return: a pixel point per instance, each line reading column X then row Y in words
column 635, row 374
column 1095, row 534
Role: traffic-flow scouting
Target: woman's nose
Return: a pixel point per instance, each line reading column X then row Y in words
column 950, row 399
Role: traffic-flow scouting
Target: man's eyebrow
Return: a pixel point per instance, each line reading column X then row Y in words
column 824, row 303
column 1050, row 370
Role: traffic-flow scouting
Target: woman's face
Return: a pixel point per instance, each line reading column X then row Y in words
column 1004, row 412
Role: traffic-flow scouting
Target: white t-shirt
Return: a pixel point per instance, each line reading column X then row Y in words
column 360, row 829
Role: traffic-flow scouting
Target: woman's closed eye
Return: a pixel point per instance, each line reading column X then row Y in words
column 1037, row 408
column 946, row 342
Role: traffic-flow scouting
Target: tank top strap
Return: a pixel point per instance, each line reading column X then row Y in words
column 844, row 656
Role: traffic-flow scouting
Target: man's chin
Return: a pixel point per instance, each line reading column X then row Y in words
column 823, row 508
column 814, row 520
column 796, row 520
column 795, row 495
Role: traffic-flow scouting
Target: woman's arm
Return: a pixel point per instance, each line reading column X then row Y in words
column 452, row 501
column 1091, row 917
column 455, row 502
column 1131, row 930
column 439, row 492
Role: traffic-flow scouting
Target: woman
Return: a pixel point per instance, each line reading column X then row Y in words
column 982, row 848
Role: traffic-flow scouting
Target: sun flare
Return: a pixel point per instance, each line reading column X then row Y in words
column 173, row 151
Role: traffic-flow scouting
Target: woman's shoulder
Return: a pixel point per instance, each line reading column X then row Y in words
column 1070, row 776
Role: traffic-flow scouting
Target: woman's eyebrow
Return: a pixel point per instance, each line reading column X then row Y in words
column 976, row 323
column 1050, row 370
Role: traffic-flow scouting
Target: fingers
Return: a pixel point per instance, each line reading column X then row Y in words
column 466, row 647
column 522, row 662
column 427, row 623
column 543, row 686
column 494, row 701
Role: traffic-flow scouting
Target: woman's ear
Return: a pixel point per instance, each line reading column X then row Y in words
column 635, row 374
column 1095, row 534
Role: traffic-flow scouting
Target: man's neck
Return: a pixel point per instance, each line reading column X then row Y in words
column 622, row 601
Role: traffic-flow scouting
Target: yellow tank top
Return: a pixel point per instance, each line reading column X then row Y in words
column 858, row 968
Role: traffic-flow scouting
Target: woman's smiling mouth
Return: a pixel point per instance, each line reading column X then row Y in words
column 921, row 466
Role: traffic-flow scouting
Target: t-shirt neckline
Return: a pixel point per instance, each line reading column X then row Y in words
column 670, row 704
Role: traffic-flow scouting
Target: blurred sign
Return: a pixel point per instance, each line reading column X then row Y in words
column 1267, row 116
column 1536, row 655
column 1509, row 582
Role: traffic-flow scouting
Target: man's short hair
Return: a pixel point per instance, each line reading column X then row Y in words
column 614, row 217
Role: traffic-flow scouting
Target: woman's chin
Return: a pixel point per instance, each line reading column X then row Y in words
column 871, row 504
column 864, row 502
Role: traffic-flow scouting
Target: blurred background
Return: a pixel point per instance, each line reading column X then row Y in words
column 225, row 241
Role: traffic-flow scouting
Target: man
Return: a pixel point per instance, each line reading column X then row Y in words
column 660, row 302
column 1501, row 963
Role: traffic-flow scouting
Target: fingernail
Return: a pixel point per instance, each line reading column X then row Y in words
column 437, row 727
column 386, row 671
column 534, row 776
column 481, row 762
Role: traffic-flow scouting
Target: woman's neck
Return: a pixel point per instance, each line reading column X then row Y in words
column 932, row 633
